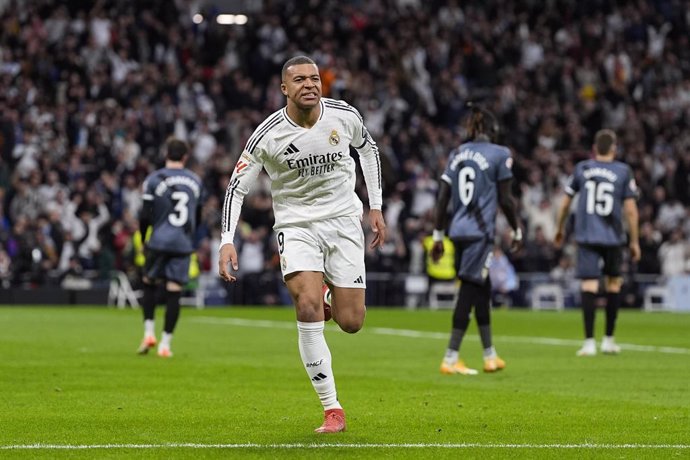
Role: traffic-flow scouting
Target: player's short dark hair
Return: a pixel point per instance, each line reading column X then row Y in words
column 175, row 149
column 603, row 141
column 482, row 122
column 297, row 60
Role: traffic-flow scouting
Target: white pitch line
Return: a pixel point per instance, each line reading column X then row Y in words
column 591, row 446
column 437, row 335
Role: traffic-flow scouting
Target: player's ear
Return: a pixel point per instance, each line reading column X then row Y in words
column 283, row 88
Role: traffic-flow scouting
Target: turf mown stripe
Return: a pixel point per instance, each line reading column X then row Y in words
column 470, row 445
column 341, row 446
column 437, row 335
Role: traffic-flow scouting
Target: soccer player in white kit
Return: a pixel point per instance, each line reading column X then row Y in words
column 305, row 149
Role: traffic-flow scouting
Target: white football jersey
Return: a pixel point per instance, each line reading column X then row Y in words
column 312, row 173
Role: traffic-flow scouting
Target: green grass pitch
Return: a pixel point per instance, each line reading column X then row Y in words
column 71, row 386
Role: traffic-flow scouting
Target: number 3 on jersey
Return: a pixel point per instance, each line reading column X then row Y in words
column 466, row 178
column 599, row 197
column 179, row 218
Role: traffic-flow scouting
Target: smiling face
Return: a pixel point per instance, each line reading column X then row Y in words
column 302, row 85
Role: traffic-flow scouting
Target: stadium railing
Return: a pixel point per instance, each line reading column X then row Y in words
column 121, row 293
column 536, row 290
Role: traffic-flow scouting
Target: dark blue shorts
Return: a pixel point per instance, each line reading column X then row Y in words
column 167, row 265
column 594, row 260
column 472, row 259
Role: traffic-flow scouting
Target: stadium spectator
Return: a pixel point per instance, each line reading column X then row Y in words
column 441, row 270
column 504, row 279
column 91, row 216
column 583, row 62
column 564, row 274
column 674, row 254
column 650, row 241
column 537, row 254
column 26, row 202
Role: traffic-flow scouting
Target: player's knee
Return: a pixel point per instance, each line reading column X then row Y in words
column 461, row 318
column 483, row 317
column 613, row 283
column 350, row 321
column 309, row 308
column 173, row 286
column 352, row 325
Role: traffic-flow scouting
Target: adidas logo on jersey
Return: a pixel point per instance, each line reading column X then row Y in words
column 291, row 149
column 359, row 280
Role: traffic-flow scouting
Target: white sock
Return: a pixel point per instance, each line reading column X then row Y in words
column 451, row 356
column 149, row 328
column 490, row 353
column 165, row 341
column 590, row 343
column 317, row 361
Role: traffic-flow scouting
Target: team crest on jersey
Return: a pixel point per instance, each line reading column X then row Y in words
column 334, row 139
column 283, row 262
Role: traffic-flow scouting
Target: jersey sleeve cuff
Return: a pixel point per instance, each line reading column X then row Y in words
column 226, row 238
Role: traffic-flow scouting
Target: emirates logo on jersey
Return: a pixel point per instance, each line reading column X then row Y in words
column 334, row 139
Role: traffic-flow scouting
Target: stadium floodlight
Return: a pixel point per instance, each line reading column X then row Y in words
column 231, row 19
column 198, row 18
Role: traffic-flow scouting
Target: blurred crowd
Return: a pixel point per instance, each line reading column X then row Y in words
column 89, row 91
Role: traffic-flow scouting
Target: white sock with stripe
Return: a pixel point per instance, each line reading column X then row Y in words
column 149, row 328
column 317, row 361
column 166, row 339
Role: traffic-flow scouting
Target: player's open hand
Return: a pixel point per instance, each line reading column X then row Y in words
column 635, row 252
column 378, row 226
column 437, row 251
column 516, row 240
column 228, row 257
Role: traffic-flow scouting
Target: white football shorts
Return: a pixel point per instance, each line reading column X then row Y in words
column 333, row 246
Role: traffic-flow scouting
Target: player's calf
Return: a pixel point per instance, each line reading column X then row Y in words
column 347, row 308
